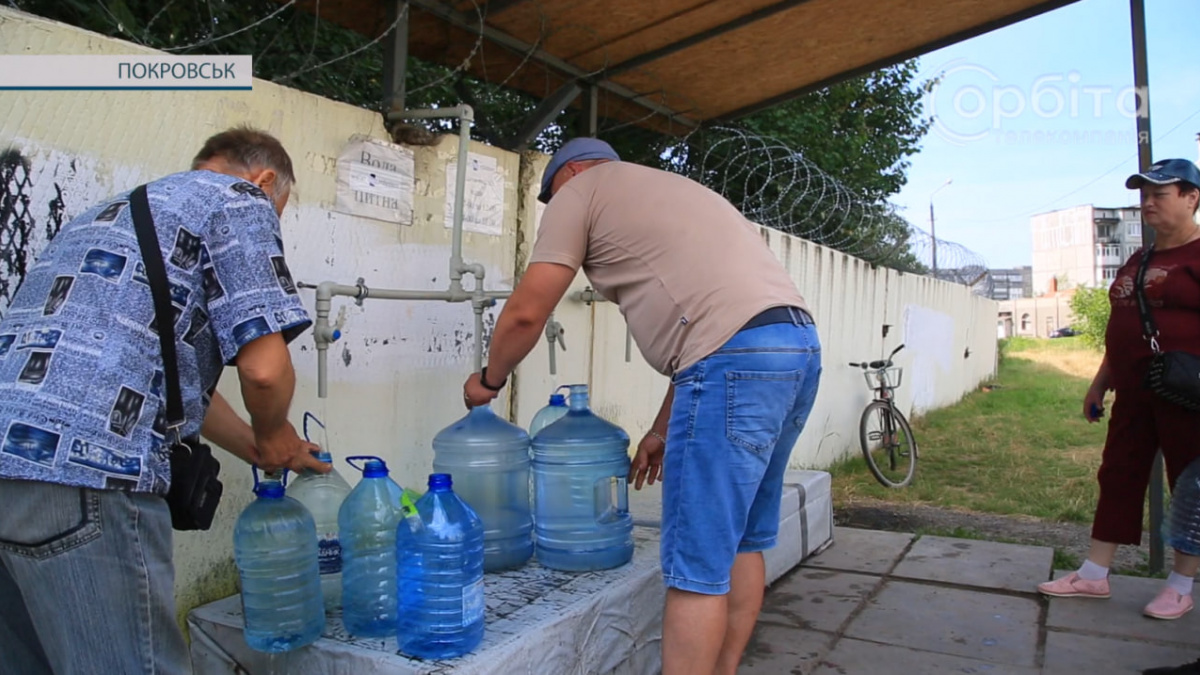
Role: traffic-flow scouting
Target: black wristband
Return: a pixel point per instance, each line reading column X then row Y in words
column 484, row 382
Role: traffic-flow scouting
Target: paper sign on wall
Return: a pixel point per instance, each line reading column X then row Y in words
column 375, row 180
column 483, row 208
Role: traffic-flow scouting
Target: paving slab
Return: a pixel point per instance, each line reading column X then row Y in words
column 857, row 657
column 983, row 564
column 1121, row 615
column 780, row 650
column 1072, row 653
column 970, row 623
column 868, row 551
column 816, row 599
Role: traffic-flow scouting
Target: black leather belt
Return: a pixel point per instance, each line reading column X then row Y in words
column 780, row 315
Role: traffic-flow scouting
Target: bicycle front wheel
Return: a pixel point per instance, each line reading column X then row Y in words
column 888, row 445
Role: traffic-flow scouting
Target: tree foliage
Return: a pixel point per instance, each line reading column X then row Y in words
column 1091, row 309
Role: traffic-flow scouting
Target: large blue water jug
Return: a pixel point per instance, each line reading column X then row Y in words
column 580, row 472
column 489, row 459
column 440, row 575
column 367, row 525
column 1182, row 526
column 551, row 413
column 275, row 549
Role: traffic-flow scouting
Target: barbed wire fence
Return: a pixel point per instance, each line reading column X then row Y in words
column 773, row 184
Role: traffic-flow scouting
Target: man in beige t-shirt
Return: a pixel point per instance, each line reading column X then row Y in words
column 710, row 307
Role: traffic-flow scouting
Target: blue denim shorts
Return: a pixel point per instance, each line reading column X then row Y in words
column 736, row 417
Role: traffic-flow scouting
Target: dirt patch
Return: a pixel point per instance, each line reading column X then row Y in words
column 1071, row 538
column 1076, row 363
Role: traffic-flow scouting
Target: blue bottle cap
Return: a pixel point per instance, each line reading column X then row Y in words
column 269, row 490
column 558, row 399
column 440, row 481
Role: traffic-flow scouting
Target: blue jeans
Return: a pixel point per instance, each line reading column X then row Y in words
column 736, row 417
column 86, row 582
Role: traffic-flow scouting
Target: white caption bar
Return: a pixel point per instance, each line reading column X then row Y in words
column 106, row 71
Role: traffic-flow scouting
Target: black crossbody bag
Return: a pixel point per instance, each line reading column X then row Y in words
column 1174, row 376
column 195, row 491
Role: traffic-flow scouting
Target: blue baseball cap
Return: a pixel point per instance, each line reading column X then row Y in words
column 1166, row 172
column 574, row 150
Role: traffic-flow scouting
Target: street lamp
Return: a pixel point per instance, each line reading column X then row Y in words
column 932, row 227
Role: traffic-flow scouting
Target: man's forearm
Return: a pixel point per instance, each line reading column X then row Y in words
column 223, row 426
column 268, row 381
column 664, row 412
column 268, row 402
column 512, row 340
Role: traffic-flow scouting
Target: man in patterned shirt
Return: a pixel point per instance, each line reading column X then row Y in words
column 86, row 579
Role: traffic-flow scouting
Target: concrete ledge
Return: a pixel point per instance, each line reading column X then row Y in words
column 538, row 620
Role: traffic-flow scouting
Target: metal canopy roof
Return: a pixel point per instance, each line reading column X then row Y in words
column 673, row 64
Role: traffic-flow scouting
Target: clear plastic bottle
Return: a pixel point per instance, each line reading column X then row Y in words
column 367, row 526
column 551, row 413
column 275, row 549
column 322, row 494
column 580, row 474
column 489, row 459
column 440, row 575
column 1182, row 525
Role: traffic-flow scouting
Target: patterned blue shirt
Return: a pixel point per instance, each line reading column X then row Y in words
column 82, row 399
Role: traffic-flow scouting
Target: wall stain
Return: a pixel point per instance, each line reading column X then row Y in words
column 346, row 356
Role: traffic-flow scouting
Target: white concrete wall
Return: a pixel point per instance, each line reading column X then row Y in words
column 395, row 377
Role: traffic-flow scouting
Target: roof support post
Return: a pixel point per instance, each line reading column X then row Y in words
column 395, row 56
column 589, row 120
column 1141, row 84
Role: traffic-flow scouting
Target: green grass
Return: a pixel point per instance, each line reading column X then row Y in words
column 1021, row 448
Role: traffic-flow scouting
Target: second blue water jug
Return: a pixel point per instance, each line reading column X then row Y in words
column 367, row 526
column 489, row 459
column 580, row 472
column 275, row 549
column 439, row 550
column 551, row 413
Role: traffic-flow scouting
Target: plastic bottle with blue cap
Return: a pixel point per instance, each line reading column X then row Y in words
column 440, row 575
column 322, row 494
column 367, row 524
column 275, row 550
column 551, row 413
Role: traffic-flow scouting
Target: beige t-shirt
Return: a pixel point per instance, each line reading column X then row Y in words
column 685, row 267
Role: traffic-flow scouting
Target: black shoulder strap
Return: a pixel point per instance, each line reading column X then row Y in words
column 156, row 272
column 1149, row 329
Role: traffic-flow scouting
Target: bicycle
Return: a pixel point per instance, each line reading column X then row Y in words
column 890, row 444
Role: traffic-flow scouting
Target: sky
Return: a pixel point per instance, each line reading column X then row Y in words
column 1040, row 116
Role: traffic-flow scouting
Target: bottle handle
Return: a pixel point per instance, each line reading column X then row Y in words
column 254, row 471
column 350, row 461
column 307, row 417
column 602, row 496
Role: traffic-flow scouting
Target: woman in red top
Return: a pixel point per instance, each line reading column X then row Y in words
column 1142, row 423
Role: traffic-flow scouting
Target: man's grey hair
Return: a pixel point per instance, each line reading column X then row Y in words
column 249, row 148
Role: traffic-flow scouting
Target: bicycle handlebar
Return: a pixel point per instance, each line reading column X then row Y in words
column 876, row 365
